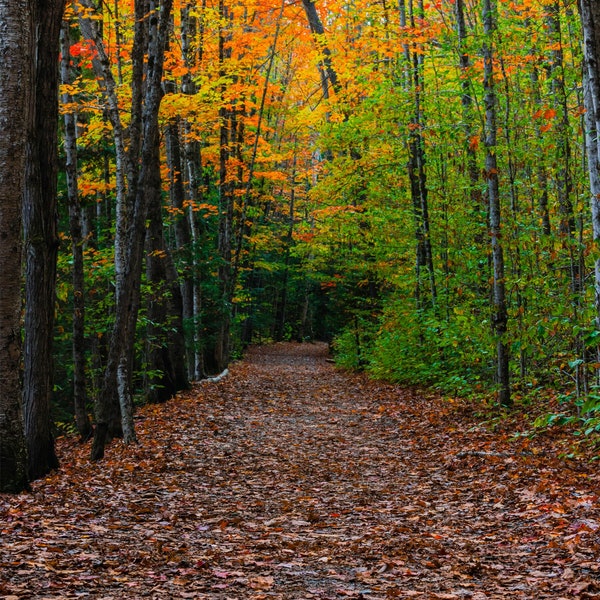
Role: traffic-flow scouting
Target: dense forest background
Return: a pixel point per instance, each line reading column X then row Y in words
column 409, row 181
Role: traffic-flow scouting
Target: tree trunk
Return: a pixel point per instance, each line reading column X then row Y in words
column 329, row 78
column 499, row 308
column 16, row 91
column 468, row 116
column 121, row 342
column 227, row 141
column 82, row 421
column 144, row 28
column 183, row 235
column 193, row 51
column 416, row 166
column 590, row 18
column 107, row 411
column 40, row 230
column 166, row 355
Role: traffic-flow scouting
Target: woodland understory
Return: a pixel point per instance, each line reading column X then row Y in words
column 291, row 479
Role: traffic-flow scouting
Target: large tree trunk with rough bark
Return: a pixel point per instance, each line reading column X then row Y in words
column 40, row 229
column 15, row 94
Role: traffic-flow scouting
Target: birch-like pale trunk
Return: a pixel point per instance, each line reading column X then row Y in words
column 102, row 68
column 107, row 405
column 145, row 116
column 499, row 308
column 590, row 19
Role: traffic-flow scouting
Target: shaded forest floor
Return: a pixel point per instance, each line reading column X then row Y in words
column 290, row 480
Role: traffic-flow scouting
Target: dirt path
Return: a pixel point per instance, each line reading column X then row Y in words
column 290, row 480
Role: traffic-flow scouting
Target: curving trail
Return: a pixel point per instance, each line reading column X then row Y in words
column 290, row 480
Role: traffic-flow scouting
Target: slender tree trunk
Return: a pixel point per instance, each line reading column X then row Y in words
column 239, row 241
column 192, row 29
column 107, row 410
column 166, row 356
column 227, row 141
column 416, row 164
column 541, row 169
column 466, row 100
column 499, row 307
column 183, row 235
column 563, row 180
column 280, row 315
column 40, row 230
column 128, row 294
column 590, row 18
column 125, row 278
column 329, row 78
column 16, row 90
column 82, row 421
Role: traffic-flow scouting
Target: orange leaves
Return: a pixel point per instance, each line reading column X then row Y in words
column 547, row 114
column 93, row 187
column 304, row 237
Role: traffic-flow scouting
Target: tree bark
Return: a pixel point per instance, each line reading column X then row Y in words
column 416, row 164
column 40, row 229
column 166, row 355
column 329, row 78
column 499, row 308
column 183, row 236
column 121, row 343
column 16, row 91
column 82, row 421
column 590, row 18
column 466, row 100
column 228, row 129
column 106, row 409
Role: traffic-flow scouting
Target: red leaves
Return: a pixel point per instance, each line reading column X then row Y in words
column 288, row 480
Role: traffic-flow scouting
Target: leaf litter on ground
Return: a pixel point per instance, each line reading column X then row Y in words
column 291, row 480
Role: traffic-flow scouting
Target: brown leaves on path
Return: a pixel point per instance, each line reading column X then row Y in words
column 290, row 480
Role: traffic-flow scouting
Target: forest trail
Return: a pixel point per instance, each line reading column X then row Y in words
column 291, row 480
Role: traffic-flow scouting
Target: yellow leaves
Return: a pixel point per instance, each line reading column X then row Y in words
column 158, row 253
column 67, row 89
